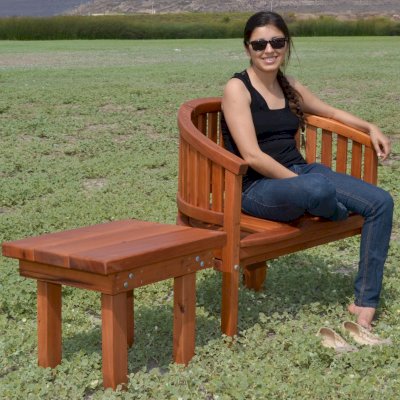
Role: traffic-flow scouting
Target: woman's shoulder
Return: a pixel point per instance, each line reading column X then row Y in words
column 235, row 86
column 238, row 82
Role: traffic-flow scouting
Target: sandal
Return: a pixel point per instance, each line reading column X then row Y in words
column 362, row 335
column 333, row 340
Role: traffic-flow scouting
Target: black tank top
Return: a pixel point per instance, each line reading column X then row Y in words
column 275, row 130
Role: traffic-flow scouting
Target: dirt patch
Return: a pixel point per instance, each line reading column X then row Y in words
column 121, row 138
column 101, row 127
column 94, row 184
column 113, row 108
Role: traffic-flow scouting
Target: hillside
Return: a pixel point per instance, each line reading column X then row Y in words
column 341, row 7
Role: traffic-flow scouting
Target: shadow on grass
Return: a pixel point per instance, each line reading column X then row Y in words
column 294, row 283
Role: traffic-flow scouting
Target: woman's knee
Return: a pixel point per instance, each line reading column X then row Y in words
column 385, row 201
column 320, row 189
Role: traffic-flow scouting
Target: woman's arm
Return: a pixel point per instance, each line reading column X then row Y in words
column 236, row 107
column 313, row 105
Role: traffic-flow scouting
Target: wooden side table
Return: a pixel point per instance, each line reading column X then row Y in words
column 114, row 258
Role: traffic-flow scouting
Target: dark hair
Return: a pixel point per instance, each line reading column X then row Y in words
column 264, row 18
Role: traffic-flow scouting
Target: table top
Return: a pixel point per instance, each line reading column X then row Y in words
column 114, row 246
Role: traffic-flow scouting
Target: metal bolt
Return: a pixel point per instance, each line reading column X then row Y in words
column 236, row 267
column 202, row 264
column 131, row 276
column 197, row 258
column 126, row 284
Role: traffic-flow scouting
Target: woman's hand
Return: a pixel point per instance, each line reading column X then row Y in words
column 380, row 142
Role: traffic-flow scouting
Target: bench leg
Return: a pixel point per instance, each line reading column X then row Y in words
column 254, row 275
column 184, row 318
column 130, row 317
column 49, row 324
column 230, row 303
column 114, row 339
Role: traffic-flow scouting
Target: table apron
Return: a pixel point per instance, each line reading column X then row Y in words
column 132, row 277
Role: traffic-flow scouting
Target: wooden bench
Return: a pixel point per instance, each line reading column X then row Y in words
column 209, row 196
column 113, row 259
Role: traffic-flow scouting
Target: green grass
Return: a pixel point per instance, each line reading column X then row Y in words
column 88, row 134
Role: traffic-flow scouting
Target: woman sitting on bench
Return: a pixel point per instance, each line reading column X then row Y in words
column 262, row 111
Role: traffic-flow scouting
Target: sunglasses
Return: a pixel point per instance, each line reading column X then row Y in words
column 260, row 45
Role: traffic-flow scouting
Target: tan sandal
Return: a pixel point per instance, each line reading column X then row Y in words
column 333, row 340
column 362, row 335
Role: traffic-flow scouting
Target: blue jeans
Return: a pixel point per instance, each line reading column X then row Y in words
column 322, row 192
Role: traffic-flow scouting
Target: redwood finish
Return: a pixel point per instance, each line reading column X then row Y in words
column 49, row 324
column 209, row 196
column 130, row 320
column 254, row 275
column 115, row 258
column 184, row 318
column 114, row 341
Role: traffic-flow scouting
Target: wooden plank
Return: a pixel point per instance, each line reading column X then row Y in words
column 202, row 123
column 184, row 162
column 201, row 214
column 64, row 276
column 212, row 126
column 184, row 318
column 326, row 148
column 24, row 248
column 230, row 255
column 211, row 150
column 128, row 254
column 218, row 188
column 192, row 176
column 356, row 160
column 370, row 166
column 341, row 154
column 204, row 186
column 339, row 128
column 311, row 144
column 317, row 232
column 114, row 340
column 257, row 254
column 49, row 324
column 60, row 254
column 130, row 320
column 254, row 275
column 156, row 272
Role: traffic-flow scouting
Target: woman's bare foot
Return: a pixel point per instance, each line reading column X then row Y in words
column 365, row 315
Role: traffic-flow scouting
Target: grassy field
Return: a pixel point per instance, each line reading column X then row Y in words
column 88, row 134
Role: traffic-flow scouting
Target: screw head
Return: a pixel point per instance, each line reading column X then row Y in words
column 131, row 276
column 197, row 258
column 126, row 284
column 202, row 264
column 236, row 267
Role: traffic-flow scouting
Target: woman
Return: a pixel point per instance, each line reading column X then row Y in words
column 262, row 110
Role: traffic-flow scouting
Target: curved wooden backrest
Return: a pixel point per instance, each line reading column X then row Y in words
column 210, row 176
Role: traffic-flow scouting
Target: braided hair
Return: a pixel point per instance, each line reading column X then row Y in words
column 264, row 18
column 293, row 97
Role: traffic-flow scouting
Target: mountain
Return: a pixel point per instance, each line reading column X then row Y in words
column 88, row 7
column 37, row 8
column 353, row 7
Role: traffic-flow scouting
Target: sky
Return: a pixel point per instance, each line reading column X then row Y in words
column 36, row 8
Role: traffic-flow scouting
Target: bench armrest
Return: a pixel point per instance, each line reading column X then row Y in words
column 343, row 148
column 203, row 145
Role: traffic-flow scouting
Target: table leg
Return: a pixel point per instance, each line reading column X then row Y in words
column 49, row 324
column 130, row 317
column 184, row 317
column 114, row 339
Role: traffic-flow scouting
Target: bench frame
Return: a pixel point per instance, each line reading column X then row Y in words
column 210, row 187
